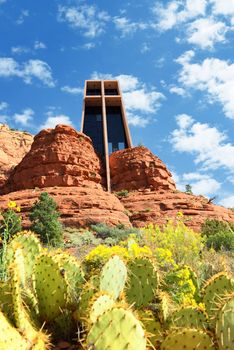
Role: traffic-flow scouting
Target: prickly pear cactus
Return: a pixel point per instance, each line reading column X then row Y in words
column 225, row 325
column 117, row 329
column 74, row 274
column 142, row 282
column 21, row 318
column 113, row 277
column 188, row 317
column 10, row 338
column 31, row 247
column 51, row 287
column 216, row 288
column 152, row 326
column 84, row 301
column 99, row 305
column 188, row 339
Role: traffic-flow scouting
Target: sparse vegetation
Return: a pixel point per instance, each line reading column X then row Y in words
column 153, row 276
column 122, row 193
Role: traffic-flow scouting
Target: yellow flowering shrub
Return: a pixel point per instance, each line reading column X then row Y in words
column 175, row 242
column 181, row 285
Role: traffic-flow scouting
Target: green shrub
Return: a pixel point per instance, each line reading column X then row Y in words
column 180, row 244
column 122, row 193
column 219, row 234
column 118, row 233
column 44, row 217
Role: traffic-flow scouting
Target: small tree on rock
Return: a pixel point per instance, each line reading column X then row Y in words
column 44, row 217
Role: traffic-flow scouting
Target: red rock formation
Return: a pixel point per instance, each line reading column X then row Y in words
column 137, row 168
column 79, row 206
column 157, row 207
column 14, row 146
column 58, row 157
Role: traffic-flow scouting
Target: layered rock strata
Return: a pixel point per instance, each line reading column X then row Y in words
column 13, row 147
column 145, row 207
column 137, row 168
column 79, row 207
column 58, row 157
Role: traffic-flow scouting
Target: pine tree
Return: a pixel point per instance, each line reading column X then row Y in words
column 44, row 217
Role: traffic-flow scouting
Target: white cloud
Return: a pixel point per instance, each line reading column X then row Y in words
column 25, row 117
column 19, row 50
column 87, row 18
column 3, row 118
column 24, row 14
column 227, row 201
column 72, row 90
column 223, row 7
column 52, row 121
column 136, row 120
column 178, row 91
column 209, row 146
column 177, row 12
column 27, row 71
column 126, row 27
column 200, row 23
column 139, row 99
column 89, row 46
column 38, row 45
column 145, row 48
column 3, row 106
column 205, row 32
column 213, row 76
column 202, row 184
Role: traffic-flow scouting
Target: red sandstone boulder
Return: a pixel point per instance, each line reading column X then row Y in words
column 157, row 207
column 136, row 168
column 58, row 157
column 13, row 147
column 79, row 207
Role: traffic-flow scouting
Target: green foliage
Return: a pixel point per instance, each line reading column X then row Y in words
column 219, row 234
column 118, row 233
column 122, row 193
column 44, row 217
column 188, row 189
column 11, row 222
column 174, row 244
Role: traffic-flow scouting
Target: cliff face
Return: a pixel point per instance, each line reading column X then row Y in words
column 58, row 157
column 63, row 163
column 137, row 168
column 13, row 147
column 145, row 207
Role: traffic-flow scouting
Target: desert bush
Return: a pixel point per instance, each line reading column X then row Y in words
column 219, row 234
column 118, row 233
column 122, row 193
column 181, row 244
column 44, row 217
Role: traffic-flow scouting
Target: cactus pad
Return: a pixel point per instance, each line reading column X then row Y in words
column 225, row 326
column 74, row 274
column 51, row 287
column 10, row 338
column 99, row 305
column 117, row 329
column 142, row 283
column 152, row 326
column 113, row 277
column 216, row 288
column 188, row 339
column 188, row 317
column 31, row 247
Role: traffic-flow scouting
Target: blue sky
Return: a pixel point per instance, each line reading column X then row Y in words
column 174, row 61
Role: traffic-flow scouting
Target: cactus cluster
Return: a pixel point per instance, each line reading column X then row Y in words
column 120, row 307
